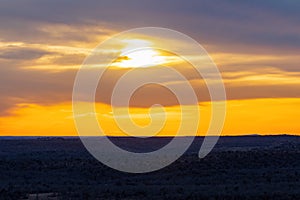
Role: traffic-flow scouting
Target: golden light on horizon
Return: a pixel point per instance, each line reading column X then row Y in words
column 58, row 63
column 242, row 118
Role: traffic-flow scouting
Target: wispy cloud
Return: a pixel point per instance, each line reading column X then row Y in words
column 255, row 44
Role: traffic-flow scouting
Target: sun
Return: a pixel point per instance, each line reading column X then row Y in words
column 142, row 58
column 133, row 56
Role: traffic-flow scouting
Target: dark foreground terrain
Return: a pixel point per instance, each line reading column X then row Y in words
column 239, row 168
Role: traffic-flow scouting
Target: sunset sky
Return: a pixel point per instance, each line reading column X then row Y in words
column 255, row 44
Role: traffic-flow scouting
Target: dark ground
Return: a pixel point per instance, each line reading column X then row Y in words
column 238, row 168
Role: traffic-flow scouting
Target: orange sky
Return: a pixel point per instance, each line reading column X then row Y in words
column 257, row 55
column 263, row 116
column 251, row 107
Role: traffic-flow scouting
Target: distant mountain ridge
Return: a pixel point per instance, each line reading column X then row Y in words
column 75, row 137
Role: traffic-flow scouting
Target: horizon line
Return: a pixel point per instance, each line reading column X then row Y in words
column 143, row 137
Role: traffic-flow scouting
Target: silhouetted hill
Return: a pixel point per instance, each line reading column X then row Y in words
column 245, row 167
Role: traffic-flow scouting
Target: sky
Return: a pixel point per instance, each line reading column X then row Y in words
column 255, row 44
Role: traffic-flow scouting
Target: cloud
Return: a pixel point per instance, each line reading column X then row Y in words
column 51, row 33
column 21, row 53
column 256, row 45
column 232, row 25
column 29, row 86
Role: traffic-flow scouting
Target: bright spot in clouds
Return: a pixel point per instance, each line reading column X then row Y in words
column 133, row 56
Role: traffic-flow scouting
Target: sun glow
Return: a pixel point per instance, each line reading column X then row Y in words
column 136, row 55
column 142, row 58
